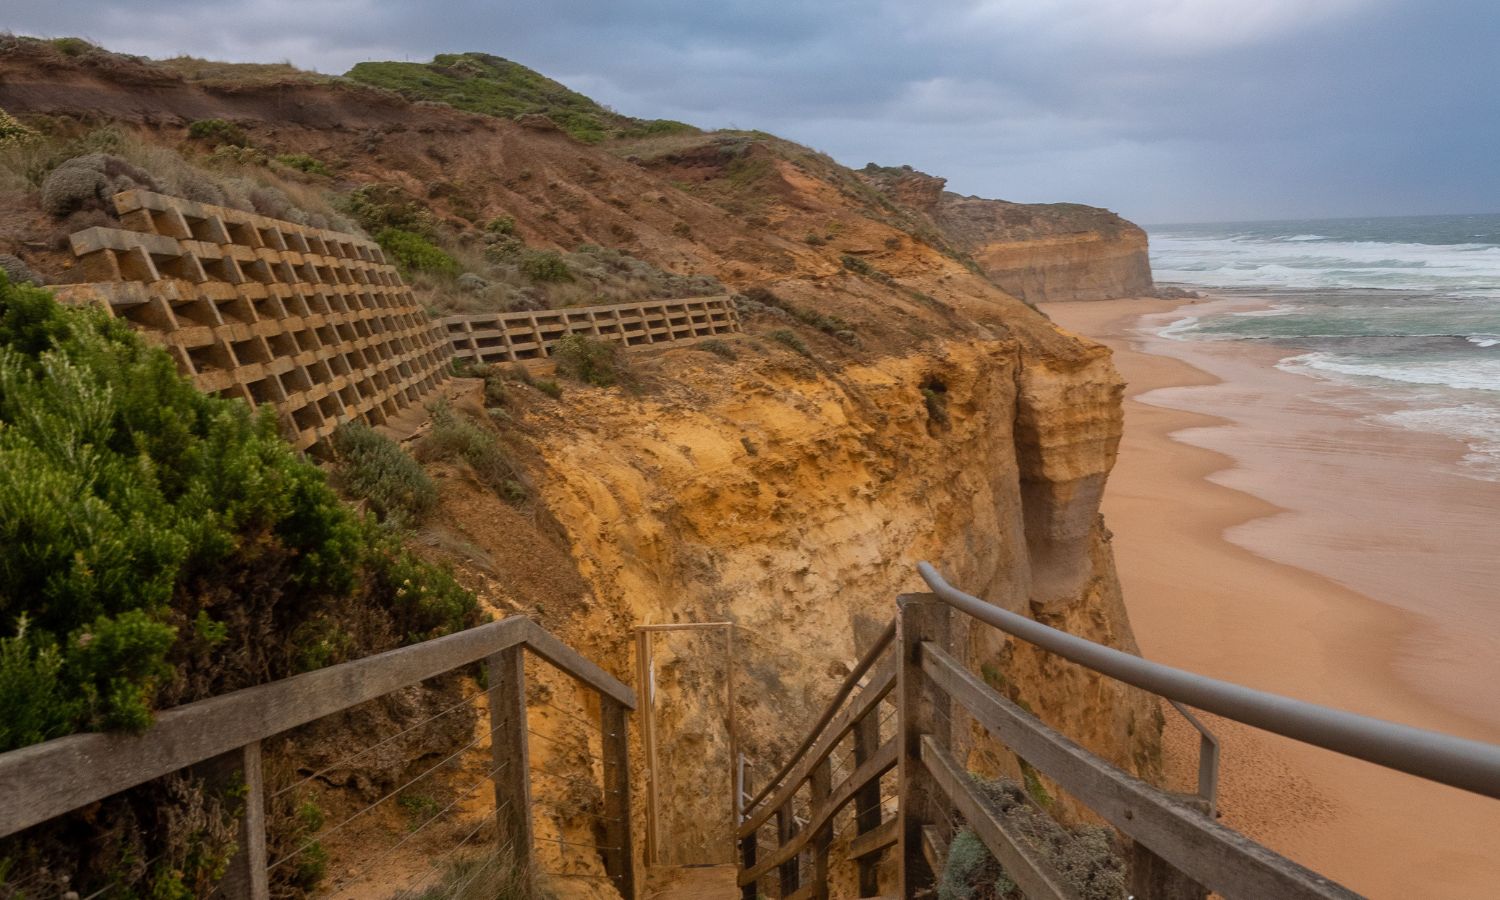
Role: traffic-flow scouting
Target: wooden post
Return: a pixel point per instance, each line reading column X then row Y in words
column 1151, row 876
column 747, row 862
column 245, row 879
column 619, row 860
column 731, row 729
column 822, row 786
column 786, row 829
column 508, row 754
column 922, row 709
column 867, row 799
column 646, row 698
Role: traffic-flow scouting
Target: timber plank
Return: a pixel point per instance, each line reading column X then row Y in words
column 1217, row 857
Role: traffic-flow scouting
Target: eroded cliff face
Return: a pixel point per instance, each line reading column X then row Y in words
column 795, row 500
column 1037, row 252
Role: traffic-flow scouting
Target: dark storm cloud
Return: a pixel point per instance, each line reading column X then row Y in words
column 1164, row 110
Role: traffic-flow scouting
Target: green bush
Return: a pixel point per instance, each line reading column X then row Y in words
column 591, row 361
column 12, row 132
column 414, row 253
column 545, row 265
column 377, row 207
column 501, row 225
column 217, row 132
column 162, row 545
column 375, row 469
column 455, row 437
column 303, row 163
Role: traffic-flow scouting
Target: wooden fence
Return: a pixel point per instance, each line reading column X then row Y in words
column 46, row 780
column 1176, row 850
column 517, row 336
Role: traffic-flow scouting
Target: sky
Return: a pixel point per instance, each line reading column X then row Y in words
column 1162, row 110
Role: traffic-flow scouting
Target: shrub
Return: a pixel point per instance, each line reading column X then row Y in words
column 17, row 271
column 162, row 545
column 455, row 437
column 303, row 163
column 1082, row 858
column 815, row 239
column 12, row 132
column 718, row 348
column 545, row 265
column 375, row 469
column 591, row 361
column 377, row 207
column 501, row 225
column 89, row 182
column 414, row 253
column 791, row 339
column 72, row 46
column 545, row 385
column 217, row 131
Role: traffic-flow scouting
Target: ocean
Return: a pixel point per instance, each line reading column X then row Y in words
column 1405, row 309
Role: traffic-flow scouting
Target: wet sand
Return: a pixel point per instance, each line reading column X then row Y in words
column 1286, row 544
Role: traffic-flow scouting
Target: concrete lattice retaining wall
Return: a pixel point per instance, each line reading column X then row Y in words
column 519, row 336
column 315, row 322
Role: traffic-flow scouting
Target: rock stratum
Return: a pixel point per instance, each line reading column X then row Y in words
column 893, row 398
column 1040, row 252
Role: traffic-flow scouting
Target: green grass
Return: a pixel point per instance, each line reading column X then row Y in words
column 482, row 83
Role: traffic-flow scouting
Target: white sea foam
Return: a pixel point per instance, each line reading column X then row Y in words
column 1300, row 261
column 1483, row 340
column 1476, row 424
column 1463, row 374
column 1178, row 330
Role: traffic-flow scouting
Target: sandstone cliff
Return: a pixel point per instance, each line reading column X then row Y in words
column 890, row 402
column 1038, row 252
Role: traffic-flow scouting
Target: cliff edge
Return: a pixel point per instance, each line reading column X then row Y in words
column 1039, row 252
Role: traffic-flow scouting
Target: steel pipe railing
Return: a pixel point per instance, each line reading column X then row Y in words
column 1458, row 762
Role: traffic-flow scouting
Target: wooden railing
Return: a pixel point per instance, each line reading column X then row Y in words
column 1175, row 847
column 489, row 338
column 809, row 838
column 40, row 782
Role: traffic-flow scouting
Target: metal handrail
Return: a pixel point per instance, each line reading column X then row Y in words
column 1457, row 762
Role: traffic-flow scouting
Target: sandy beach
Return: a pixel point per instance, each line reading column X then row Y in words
column 1266, row 534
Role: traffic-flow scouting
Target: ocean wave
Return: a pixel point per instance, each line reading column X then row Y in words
column 1178, row 330
column 1483, row 340
column 1286, row 261
column 1462, row 374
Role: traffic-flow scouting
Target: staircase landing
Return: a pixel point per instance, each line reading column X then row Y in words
column 693, row 883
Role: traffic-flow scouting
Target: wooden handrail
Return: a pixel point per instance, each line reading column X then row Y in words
column 1217, row 857
column 1035, row 878
column 881, row 684
column 883, row 761
column 850, row 682
column 48, row 779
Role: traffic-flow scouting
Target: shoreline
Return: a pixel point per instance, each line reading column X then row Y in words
column 1203, row 597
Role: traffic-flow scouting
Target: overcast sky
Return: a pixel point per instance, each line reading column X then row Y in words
column 1164, row 110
